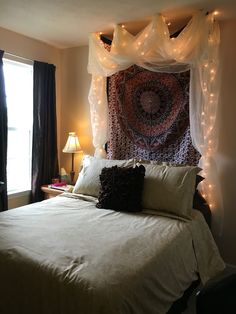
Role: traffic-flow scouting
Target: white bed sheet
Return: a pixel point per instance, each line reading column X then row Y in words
column 65, row 256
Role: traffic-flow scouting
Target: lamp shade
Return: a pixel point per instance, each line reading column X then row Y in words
column 72, row 144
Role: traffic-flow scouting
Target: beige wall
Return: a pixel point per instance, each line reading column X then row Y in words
column 75, row 113
column 29, row 48
column 19, row 199
column 226, row 157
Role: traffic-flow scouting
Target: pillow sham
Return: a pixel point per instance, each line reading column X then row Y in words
column 121, row 188
column 88, row 182
column 170, row 189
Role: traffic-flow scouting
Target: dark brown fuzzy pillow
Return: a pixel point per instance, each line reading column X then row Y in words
column 121, row 188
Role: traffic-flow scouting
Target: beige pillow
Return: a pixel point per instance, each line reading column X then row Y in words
column 170, row 189
column 88, row 182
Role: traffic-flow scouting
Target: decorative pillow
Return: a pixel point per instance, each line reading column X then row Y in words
column 121, row 188
column 88, row 182
column 170, row 189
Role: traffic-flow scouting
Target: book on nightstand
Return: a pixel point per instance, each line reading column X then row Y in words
column 61, row 186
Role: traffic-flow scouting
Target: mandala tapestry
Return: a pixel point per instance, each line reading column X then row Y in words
column 149, row 116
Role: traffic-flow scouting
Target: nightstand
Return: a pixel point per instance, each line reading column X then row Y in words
column 49, row 193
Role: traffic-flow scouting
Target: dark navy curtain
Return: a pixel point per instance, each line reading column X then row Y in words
column 3, row 139
column 44, row 147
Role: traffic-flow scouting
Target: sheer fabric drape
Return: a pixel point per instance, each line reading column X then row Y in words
column 195, row 48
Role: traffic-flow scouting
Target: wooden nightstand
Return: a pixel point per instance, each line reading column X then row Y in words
column 49, row 193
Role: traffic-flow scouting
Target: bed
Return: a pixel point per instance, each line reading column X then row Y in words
column 66, row 255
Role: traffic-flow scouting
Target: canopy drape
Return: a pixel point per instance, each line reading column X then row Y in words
column 195, row 48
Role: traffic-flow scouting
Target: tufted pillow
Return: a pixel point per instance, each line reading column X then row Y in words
column 170, row 189
column 121, row 188
column 88, row 182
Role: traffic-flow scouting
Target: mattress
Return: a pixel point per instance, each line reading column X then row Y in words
column 65, row 256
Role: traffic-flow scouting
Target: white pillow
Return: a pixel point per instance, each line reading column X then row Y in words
column 88, row 181
column 170, row 189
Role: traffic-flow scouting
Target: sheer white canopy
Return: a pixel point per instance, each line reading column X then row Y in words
column 195, row 48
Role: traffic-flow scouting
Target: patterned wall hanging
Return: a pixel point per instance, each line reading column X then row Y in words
column 149, row 116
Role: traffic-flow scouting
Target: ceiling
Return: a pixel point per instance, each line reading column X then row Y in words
column 67, row 23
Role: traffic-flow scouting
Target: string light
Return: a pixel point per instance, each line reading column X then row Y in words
column 207, row 124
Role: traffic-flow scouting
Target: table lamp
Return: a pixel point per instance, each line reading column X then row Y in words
column 72, row 146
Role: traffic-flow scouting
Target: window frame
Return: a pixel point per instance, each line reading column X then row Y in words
column 13, row 193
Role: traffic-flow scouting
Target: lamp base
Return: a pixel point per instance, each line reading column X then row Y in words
column 72, row 175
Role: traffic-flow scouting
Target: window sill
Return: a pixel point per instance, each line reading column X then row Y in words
column 15, row 194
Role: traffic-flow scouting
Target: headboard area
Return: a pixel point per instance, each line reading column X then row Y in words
column 148, row 115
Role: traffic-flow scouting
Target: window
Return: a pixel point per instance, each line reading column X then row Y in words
column 19, row 94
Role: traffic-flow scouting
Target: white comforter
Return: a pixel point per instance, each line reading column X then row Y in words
column 65, row 256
